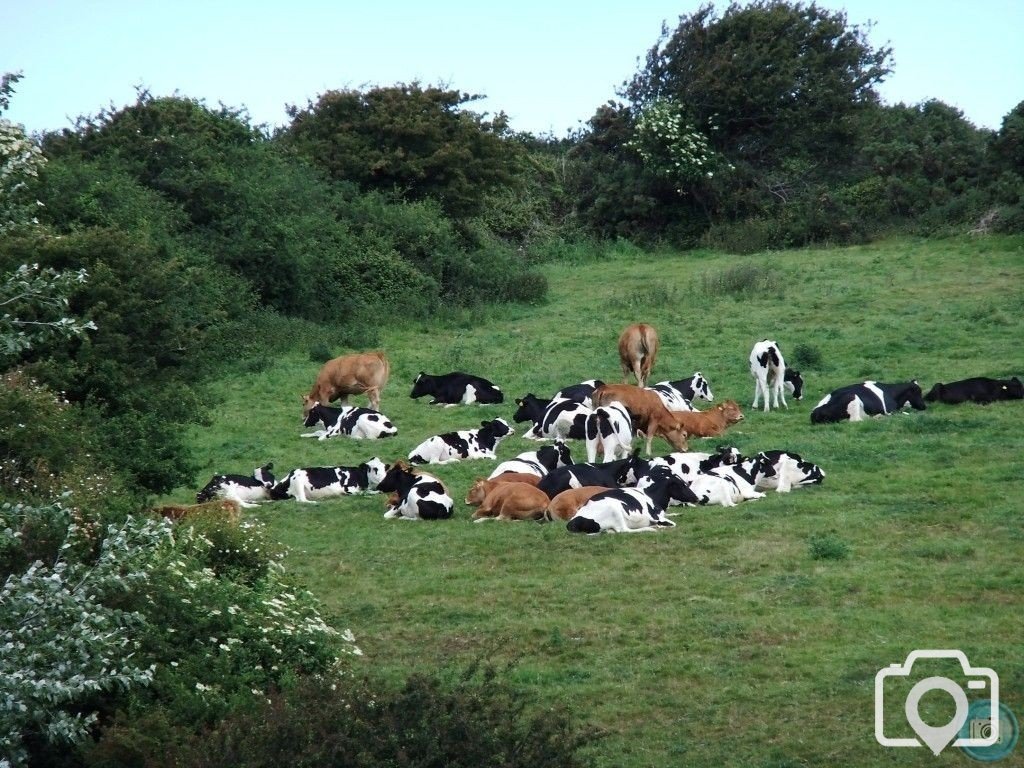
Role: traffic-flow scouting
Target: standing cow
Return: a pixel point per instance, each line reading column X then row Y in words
column 767, row 365
column 638, row 349
column 349, row 375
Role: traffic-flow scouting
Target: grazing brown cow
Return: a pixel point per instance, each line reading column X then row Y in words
column 638, row 348
column 712, row 422
column 229, row 508
column 512, row 501
column 482, row 486
column 349, row 375
column 568, row 503
column 649, row 413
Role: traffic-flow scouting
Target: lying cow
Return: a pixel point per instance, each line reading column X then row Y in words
column 349, row 375
column 561, row 419
column 310, row 483
column 610, row 429
column 771, row 376
column 417, row 496
column 678, row 395
column 790, row 471
column 581, row 393
column 538, row 462
column 869, row 398
column 630, row 510
column 511, row 501
column 610, row 474
column 687, row 465
column 245, row 490
column 358, row 423
column 567, row 503
column 477, row 443
column 455, row 388
column 977, row 390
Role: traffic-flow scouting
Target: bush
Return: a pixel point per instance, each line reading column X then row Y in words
column 806, row 356
column 744, row 237
column 742, row 280
column 828, row 546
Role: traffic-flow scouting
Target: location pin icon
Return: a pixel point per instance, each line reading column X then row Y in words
column 936, row 739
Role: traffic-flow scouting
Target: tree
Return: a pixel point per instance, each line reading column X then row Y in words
column 20, row 161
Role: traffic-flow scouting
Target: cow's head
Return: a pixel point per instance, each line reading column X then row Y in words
column 526, row 406
column 728, row 454
column 934, row 393
column 1014, row 389
column 913, row 395
column 795, row 383
column 701, row 387
column 731, row 411
column 632, row 469
column 375, row 470
column 308, row 403
column 498, row 427
column 263, row 476
column 419, row 386
column 476, row 493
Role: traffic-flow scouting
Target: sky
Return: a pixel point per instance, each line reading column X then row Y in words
column 547, row 65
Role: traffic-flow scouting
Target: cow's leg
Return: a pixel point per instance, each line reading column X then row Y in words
column 638, row 371
column 374, row 394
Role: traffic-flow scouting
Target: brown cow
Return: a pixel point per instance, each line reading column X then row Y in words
column 349, row 375
column 481, row 486
column 229, row 508
column 712, row 422
column 638, row 348
column 649, row 413
column 567, row 503
column 512, row 501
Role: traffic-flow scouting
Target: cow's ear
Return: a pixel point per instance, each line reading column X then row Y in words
column 484, row 423
column 519, row 402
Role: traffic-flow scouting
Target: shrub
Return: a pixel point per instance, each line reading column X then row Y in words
column 742, row 280
column 828, row 546
column 806, row 356
column 743, row 237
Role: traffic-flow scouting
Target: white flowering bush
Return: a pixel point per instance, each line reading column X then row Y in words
column 34, row 305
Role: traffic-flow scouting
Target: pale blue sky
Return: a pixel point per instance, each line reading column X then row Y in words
column 549, row 65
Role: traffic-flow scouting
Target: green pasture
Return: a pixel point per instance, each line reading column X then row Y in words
column 747, row 636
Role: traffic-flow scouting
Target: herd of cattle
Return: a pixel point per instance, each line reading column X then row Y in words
column 624, row 492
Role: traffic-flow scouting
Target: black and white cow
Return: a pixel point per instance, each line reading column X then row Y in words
column 245, row 490
column 477, row 443
column 790, row 471
column 977, row 390
column 419, row 496
column 771, row 376
column 687, row 465
column 869, row 398
column 581, row 392
column 610, row 474
column 630, row 510
column 561, row 419
column 455, row 388
column 310, row 483
column 678, row 395
column 358, row 423
column 539, row 462
column 609, row 428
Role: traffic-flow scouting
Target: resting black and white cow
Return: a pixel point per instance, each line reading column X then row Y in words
column 771, row 376
column 686, row 465
column 455, row 388
column 631, row 510
column 477, row 443
column 609, row 474
column 790, row 471
column 581, row 392
column 358, row 423
column 869, row 398
column 539, row 462
column 561, row 419
column 678, row 395
column 309, row 483
column 419, row 496
column 609, row 428
column 977, row 390
column 245, row 490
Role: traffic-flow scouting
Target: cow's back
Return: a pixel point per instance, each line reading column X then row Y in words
column 351, row 375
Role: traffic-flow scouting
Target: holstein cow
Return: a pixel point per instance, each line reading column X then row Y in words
column 358, row 423
column 455, row 388
column 771, row 377
column 305, row 485
column 676, row 395
column 869, row 398
column 465, row 444
column 512, row 501
column 610, row 429
column 610, row 474
column 790, row 471
column 349, row 375
column 638, row 349
column 630, row 510
column 649, row 413
column 561, row 419
column 977, row 390
column 686, row 466
column 581, row 392
column 568, row 502
column 245, row 490
column 417, row 496
column 538, row 462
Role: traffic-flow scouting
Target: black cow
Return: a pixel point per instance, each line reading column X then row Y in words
column 455, row 388
column 245, row 490
column 977, row 390
column 538, row 462
column 869, row 398
column 610, row 474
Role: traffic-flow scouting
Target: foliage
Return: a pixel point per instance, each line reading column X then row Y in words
column 741, row 279
column 20, row 162
column 828, row 546
column 38, row 299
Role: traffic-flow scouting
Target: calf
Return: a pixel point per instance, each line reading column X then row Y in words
column 561, row 420
column 790, row 470
column 677, row 395
column 610, row 474
column 638, row 349
column 477, row 443
column 712, row 422
column 358, row 423
column 481, row 487
column 538, row 462
column 455, row 388
column 349, row 375
column 630, row 510
column 649, row 414
column 977, row 390
column 416, row 496
column 568, row 502
column 310, row 483
column 581, row 392
column 869, row 398
column 245, row 490
column 771, row 376
column 610, row 429
column 512, row 501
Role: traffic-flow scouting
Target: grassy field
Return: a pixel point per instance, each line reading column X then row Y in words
column 747, row 636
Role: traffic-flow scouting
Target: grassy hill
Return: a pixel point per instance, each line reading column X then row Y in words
column 746, row 636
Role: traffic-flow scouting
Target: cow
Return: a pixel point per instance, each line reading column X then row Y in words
column 712, row 422
column 481, row 487
column 568, row 502
column 512, row 501
column 977, row 390
column 869, row 398
column 358, row 423
column 561, row 419
column 349, row 375
column 477, row 443
column 456, row 388
column 245, row 490
column 538, row 462
column 228, row 509
column 417, row 496
column 630, row 510
column 790, row 471
column 771, row 376
column 581, row 392
column 638, row 350
column 677, row 395
column 686, row 466
column 610, row 474
column 609, row 428
column 310, row 483
column 648, row 412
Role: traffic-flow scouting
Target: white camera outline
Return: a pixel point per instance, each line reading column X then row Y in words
column 903, row 670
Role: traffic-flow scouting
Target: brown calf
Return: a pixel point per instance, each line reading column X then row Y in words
column 229, row 508
column 349, row 375
column 712, row 422
column 649, row 413
column 638, row 348
column 512, row 501
column 568, row 503
column 481, row 486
